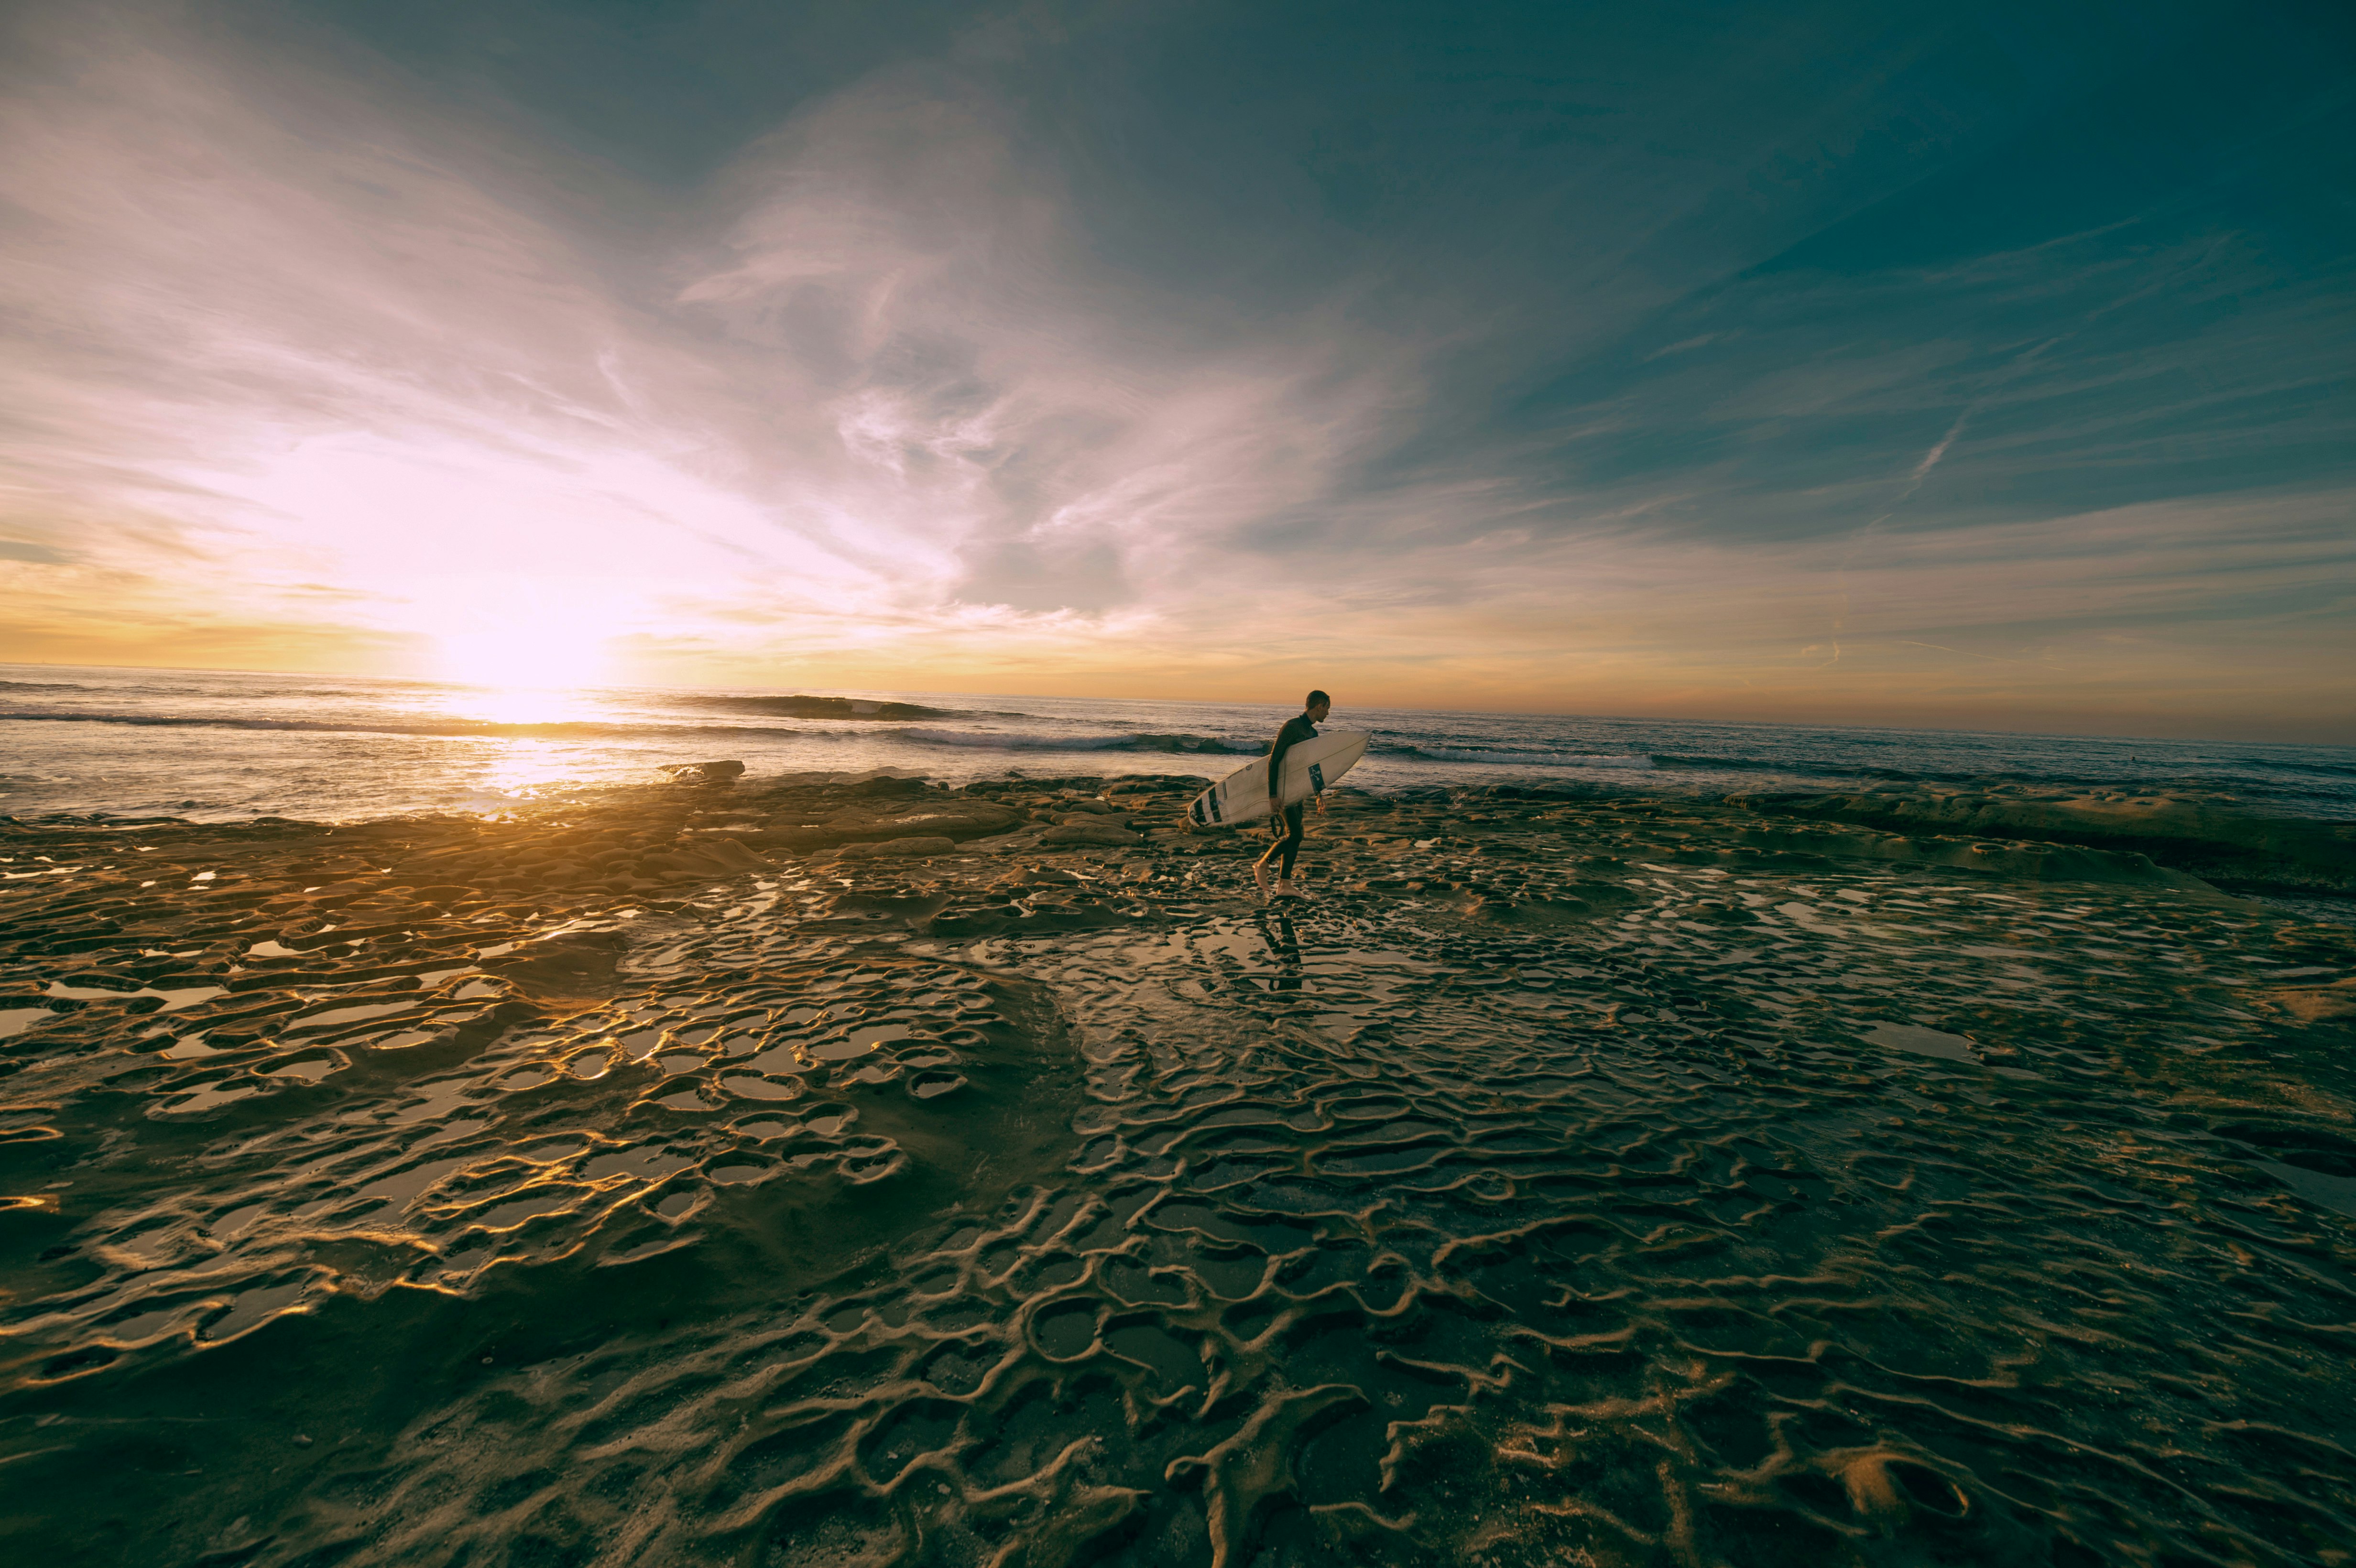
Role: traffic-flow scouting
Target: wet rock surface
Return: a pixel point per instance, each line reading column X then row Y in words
column 1563, row 1181
column 2120, row 835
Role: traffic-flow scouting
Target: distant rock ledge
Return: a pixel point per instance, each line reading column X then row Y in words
column 702, row 773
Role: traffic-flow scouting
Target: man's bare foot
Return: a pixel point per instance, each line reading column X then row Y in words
column 1260, row 875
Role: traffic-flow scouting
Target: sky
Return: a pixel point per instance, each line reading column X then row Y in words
column 1968, row 365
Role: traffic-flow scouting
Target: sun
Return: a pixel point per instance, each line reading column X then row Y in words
column 536, row 659
column 527, row 644
column 525, row 647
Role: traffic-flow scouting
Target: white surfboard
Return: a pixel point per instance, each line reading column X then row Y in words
column 1310, row 768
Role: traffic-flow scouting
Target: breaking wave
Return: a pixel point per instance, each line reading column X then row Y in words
column 1525, row 758
column 1020, row 740
column 872, row 709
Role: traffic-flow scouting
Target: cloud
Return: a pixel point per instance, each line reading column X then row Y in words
column 1930, row 458
column 862, row 388
column 940, row 381
column 1036, row 433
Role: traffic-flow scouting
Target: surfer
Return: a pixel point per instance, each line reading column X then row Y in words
column 1285, row 821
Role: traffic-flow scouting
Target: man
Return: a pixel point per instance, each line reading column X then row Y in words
column 1285, row 821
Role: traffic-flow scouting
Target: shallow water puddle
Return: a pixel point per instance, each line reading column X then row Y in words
column 335, row 1016
column 183, row 997
column 1921, row 1041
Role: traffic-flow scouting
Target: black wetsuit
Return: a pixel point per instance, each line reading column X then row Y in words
column 1296, row 730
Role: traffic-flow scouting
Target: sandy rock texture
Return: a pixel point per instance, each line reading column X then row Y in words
column 2224, row 841
column 833, row 1169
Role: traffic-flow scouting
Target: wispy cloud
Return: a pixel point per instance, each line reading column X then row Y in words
column 1930, row 458
column 861, row 389
column 913, row 389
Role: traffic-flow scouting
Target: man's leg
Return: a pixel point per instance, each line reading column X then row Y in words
column 1259, row 866
column 1294, row 832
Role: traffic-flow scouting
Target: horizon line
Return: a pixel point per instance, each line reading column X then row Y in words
column 1917, row 728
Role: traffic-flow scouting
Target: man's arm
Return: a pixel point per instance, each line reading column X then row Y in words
column 1284, row 742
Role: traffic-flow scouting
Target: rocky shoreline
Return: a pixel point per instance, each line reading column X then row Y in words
column 2212, row 837
column 843, row 1165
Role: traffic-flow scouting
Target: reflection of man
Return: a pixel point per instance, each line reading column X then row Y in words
column 1284, row 946
column 1285, row 821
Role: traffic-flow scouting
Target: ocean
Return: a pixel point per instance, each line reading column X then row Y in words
column 213, row 746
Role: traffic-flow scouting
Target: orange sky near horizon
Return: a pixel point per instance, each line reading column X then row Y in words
column 2127, row 698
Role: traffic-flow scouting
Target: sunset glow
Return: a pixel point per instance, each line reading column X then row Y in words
column 332, row 359
column 534, row 644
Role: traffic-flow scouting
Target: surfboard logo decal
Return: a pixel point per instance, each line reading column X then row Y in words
column 1213, row 799
column 1317, row 777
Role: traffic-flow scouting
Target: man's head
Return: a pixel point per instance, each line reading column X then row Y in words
column 1319, row 705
